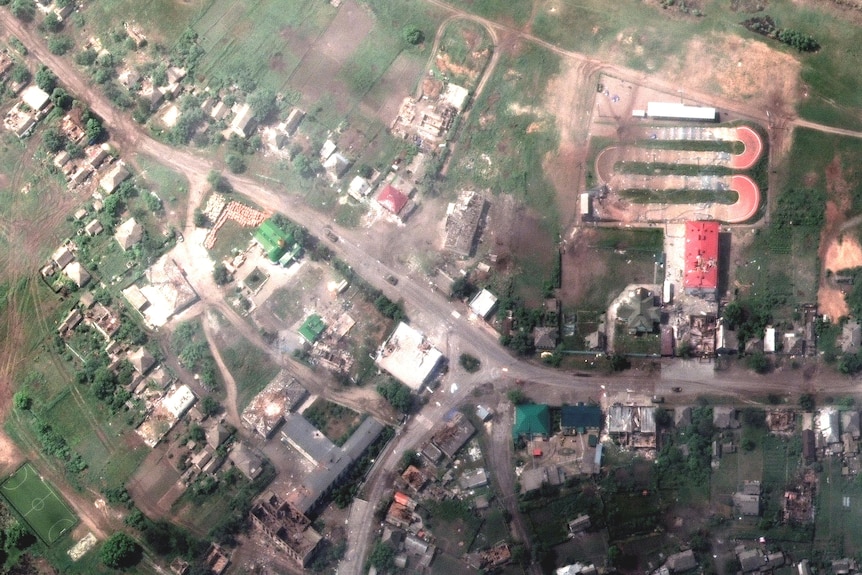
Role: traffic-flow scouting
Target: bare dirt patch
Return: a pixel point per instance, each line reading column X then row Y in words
column 836, row 252
column 346, row 32
column 738, row 68
column 581, row 267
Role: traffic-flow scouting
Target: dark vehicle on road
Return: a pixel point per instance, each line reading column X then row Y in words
column 391, row 279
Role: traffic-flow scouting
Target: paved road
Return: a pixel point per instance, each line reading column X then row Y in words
column 426, row 307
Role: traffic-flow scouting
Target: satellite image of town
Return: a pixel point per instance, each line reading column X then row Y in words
column 431, row 287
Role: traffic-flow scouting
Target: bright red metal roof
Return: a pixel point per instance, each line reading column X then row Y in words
column 392, row 199
column 701, row 255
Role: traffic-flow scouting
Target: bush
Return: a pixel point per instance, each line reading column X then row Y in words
column 221, row 275
column 412, row 35
column 397, row 394
column 22, row 400
column 470, row 363
column 45, row 79
column 235, row 163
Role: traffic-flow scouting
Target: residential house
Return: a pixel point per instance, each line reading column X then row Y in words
column 246, row 461
column 483, row 304
column 638, row 312
column 112, row 180
column 243, row 122
column 94, row 228
column 532, row 421
column 545, row 337
column 580, row 418
column 142, row 360
column 336, row 166
column 128, row 234
column 76, row 272
column 682, row 561
column 392, row 199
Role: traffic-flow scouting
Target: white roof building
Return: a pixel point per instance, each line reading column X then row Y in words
column 358, row 188
column 679, row 111
column 769, row 340
column 409, row 357
column 179, row 401
column 35, row 97
column 483, row 304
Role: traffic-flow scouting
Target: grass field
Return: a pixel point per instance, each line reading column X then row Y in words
column 38, row 503
column 251, row 368
column 687, row 196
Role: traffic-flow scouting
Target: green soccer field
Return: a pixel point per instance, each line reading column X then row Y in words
column 37, row 502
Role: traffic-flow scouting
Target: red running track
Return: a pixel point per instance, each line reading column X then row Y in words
column 753, row 148
column 746, row 206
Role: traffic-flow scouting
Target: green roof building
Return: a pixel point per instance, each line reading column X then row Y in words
column 532, row 420
column 274, row 240
column 312, row 328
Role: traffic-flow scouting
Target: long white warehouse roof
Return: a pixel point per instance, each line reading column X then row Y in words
column 681, row 111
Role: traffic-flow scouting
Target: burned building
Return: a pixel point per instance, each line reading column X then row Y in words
column 286, row 527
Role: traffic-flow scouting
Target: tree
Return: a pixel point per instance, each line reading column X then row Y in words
column 59, row 45
column 94, row 130
column 806, row 402
column 61, row 99
column 20, row 74
column 663, row 417
column 470, row 363
column 210, row 406
column 218, row 182
column 120, row 551
column 619, row 362
column 22, row 400
column 53, row 140
column 262, row 102
column 23, row 9
column 200, row 219
column 733, row 314
column 517, row 397
column 748, row 444
column 758, row 362
column 51, row 23
column 462, row 288
column 235, row 163
column 19, row 537
column 303, row 166
column 86, row 57
column 397, row 394
column 412, row 35
column 383, row 557
column 221, row 275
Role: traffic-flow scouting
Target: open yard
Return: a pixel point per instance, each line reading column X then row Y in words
column 335, row 421
column 598, row 263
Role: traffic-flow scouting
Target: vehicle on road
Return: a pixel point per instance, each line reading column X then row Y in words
column 391, row 279
column 677, row 389
column 331, row 236
column 658, row 399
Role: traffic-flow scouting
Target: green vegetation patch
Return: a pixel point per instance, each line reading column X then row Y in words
column 38, row 504
column 251, row 368
column 687, row 196
column 512, row 13
column 333, row 420
column 664, row 169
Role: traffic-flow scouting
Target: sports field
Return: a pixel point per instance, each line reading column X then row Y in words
column 38, row 504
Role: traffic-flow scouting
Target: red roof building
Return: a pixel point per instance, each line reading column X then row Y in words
column 701, row 258
column 392, row 199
